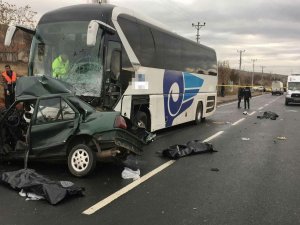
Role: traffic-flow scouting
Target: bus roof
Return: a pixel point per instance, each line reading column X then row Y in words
column 104, row 13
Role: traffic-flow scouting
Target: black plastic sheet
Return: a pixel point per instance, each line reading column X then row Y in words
column 32, row 182
column 268, row 115
column 191, row 148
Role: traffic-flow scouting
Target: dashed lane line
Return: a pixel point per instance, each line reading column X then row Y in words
column 214, row 136
column 260, row 108
column 237, row 122
column 126, row 189
column 252, row 113
column 135, row 183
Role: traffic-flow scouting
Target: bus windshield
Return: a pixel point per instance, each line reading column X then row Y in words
column 294, row 86
column 60, row 50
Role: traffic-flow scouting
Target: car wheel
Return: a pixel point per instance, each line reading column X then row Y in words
column 81, row 160
column 198, row 116
column 286, row 102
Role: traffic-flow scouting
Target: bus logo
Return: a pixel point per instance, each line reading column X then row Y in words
column 180, row 88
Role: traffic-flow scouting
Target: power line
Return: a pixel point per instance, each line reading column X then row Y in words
column 240, row 67
column 198, row 26
column 253, row 61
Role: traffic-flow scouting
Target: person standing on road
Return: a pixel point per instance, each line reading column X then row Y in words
column 223, row 90
column 240, row 96
column 9, row 79
column 247, row 96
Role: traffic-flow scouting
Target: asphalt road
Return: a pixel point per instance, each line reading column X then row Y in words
column 258, row 181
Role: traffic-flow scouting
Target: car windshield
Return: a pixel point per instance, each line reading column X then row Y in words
column 294, row 86
column 59, row 50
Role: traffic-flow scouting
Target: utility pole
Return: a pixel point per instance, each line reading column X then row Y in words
column 198, row 26
column 240, row 52
column 262, row 74
column 253, row 61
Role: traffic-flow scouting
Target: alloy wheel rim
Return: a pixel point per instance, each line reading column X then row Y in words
column 80, row 160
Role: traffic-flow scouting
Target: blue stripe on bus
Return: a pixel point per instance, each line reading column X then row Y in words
column 192, row 81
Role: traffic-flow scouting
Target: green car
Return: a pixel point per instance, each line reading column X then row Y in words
column 48, row 122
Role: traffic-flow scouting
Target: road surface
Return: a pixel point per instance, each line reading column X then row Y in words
column 257, row 182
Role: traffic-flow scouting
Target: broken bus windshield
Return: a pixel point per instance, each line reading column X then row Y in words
column 59, row 50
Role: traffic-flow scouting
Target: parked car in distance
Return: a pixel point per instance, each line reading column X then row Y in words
column 48, row 122
column 258, row 88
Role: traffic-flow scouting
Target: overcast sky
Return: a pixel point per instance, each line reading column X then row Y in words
column 267, row 29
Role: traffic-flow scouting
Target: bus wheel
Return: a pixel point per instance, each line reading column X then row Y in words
column 198, row 116
column 81, row 160
column 141, row 120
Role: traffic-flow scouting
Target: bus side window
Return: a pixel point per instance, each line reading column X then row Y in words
column 113, row 61
column 115, row 65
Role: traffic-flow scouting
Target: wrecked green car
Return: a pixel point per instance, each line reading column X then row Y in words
column 47, row 121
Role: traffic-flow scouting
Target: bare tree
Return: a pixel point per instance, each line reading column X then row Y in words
column 10, row 13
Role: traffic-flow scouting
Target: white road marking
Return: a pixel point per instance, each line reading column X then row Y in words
column 266, row 104
column 237, row 122
column 227, row 104
column 126, row 189
column 135, row 183
column 260, row 108
column 252, row 113
column 213, row 136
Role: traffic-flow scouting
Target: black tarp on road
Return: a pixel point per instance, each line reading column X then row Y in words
column 31, row 182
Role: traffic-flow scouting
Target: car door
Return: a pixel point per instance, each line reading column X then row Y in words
column 55, row 120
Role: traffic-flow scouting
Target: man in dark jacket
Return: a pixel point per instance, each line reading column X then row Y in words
column 240, row 96
column 247, row 96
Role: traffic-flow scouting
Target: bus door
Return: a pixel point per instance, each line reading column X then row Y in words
column 112, row 85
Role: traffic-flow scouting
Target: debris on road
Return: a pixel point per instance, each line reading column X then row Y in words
column 281, row 138
column 268, row 115
column 214, row 169
column 30, row 183
column 245, row 113
column 245, row 139
column 191, row 148
column 128, row 173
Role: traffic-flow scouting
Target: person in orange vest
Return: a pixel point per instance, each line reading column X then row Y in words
column 9, row 80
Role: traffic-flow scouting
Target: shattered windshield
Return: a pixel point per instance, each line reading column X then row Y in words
column 59, row 50
column 294, row 86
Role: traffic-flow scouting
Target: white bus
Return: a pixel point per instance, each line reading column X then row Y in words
column 293, row 89
column 121, row 61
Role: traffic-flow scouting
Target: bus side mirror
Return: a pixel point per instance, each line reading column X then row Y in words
column 11, row 30
column 92, row 31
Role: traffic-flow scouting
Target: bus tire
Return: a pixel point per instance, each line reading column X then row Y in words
column 81, row 160
column 141, row 120
column 199, row 113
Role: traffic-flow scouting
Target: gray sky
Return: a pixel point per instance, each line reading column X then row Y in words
column 267, row 29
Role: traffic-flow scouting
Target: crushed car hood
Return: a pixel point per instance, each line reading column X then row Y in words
column 33, row 87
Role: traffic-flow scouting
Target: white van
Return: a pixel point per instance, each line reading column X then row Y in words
column 277, row 87
column 293, row 89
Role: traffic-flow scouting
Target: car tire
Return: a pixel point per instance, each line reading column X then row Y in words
column 286, row 102
column 199, row 114
column 81, row 160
